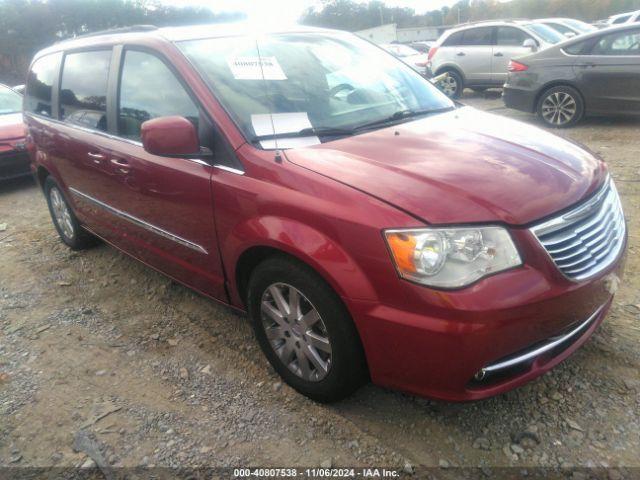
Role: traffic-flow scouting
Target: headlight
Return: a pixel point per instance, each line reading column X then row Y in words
column 451, row 257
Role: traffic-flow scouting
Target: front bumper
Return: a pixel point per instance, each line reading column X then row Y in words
column 14, row 164
column 439, row 350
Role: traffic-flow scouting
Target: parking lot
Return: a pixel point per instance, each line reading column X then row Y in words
column 157, row 375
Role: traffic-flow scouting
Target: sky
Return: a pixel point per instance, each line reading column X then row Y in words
column 288, row 11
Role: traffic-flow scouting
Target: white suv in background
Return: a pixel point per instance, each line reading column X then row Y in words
column 477, row 55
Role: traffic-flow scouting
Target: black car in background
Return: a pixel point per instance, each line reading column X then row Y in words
column 593, row 74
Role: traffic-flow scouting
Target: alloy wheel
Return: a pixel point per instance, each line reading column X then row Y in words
column 296, row 332
column 559, row 108
column 449, row 85
column 61, row 213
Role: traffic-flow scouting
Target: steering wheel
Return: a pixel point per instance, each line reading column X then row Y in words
column 340, row 87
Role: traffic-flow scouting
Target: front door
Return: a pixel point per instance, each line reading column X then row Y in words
column 609, row 76
column 166, row 202
column 509, row 41
column 474, row 54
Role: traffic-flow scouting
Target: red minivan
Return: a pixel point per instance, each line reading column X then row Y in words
column 369, row 226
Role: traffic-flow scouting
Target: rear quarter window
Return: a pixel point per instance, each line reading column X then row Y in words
column 453, row 40
column 40, row 85
column 83, row 89
column 577, row 48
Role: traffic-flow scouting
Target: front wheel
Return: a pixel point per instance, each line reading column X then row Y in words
column 452, row 85
column 305, row 331
column 560, row 107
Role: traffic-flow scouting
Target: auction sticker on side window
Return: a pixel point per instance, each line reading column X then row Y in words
column 254, row 68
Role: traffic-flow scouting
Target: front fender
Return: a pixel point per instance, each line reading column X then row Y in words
column 303, row 242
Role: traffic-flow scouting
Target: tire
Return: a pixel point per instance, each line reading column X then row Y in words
column 454, row 85
column 65, row 221
column 322, row 356
column 560, row 107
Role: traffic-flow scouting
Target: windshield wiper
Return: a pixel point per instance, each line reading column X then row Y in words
column 306, row 132
column 397, row 117
column 401, row 115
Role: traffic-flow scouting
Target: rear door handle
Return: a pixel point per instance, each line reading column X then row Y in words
column 498, row 54
column 461, row 54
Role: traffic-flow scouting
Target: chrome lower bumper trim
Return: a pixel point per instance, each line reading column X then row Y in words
column 527, row 355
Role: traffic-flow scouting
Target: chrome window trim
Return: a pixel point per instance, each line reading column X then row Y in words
column 229, row 169
column 141, row 223
column 110, row 136
column 82, row 129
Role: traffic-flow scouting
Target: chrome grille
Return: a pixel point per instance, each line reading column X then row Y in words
column 588, row 238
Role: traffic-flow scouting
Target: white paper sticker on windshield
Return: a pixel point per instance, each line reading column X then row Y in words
column 253, row 68
column 283, row 123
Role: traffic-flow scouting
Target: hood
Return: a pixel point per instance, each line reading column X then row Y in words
column 11, row 126
column 463, row 166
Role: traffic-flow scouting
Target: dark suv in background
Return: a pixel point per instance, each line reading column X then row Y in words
column 594, row 74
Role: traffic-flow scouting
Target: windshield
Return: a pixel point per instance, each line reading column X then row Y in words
column 10, row 101
column 548, row 34
column 307, row 81
column 578, row 25
column 560, row 28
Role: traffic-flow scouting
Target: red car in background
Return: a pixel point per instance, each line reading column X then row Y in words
column 369, row 226
column 14, row 158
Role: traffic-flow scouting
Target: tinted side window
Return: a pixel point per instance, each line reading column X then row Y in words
column 148, row 89
column 453, row 40
column 40, row 84
column 620, row 43
column 478, row 36
column 621, row 19
column 83, row 90
column 576, row 48
column 511, row 37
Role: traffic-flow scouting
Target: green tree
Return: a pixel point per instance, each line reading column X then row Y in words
column 27, row 26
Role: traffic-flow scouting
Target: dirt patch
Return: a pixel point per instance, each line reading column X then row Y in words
column 157, row 375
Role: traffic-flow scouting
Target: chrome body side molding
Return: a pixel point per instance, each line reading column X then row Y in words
column 141, row 223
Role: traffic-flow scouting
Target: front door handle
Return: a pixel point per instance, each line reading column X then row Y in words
column 498, row 54
column 587, row 65
column 121, row 164
column 461, row 54
column 96, row 157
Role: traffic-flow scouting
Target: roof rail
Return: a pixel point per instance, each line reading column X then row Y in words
column 476, row 22
column 130, row 29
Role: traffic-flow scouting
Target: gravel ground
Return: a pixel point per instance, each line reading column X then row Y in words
column 103, row 355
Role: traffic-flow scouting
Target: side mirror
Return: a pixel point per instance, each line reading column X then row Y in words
column 531, row 44
column 570, row 34
column 170, row 137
